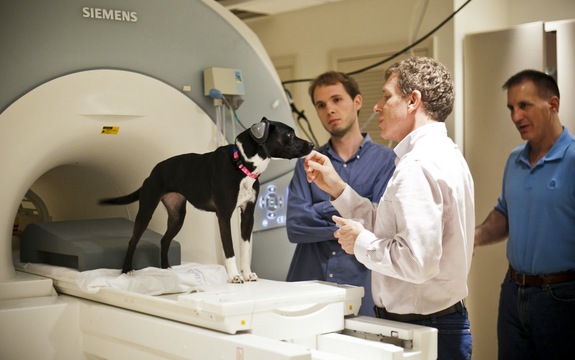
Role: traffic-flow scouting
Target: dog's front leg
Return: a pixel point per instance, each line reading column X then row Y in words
column 232, row 270
column 228, row 247
column 246, row 261
column 247, row 225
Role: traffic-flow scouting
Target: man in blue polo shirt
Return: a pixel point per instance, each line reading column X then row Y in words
column 536, row 210
column 364, row 165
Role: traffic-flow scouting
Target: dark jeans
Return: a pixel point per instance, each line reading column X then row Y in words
column 454, row 340
column 536, row 322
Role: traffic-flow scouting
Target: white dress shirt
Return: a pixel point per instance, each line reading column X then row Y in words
column 419, row 239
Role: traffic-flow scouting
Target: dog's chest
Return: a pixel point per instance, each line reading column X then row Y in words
column 246, row 193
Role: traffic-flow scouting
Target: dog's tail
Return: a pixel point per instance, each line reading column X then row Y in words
column 122, row 200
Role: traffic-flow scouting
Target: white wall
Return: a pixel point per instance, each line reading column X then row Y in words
column 524, row 11
column 493, row 14
column 309, row 35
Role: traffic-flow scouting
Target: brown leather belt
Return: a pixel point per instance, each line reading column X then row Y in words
column 384, row 314
column 538, row 280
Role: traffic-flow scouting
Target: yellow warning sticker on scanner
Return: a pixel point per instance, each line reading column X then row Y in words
column 110, row 130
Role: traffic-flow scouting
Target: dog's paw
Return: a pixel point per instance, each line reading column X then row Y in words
column 236, row 279
column 251, row 277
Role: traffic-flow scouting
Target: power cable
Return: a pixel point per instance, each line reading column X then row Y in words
column 301, row 115
column 391, row 57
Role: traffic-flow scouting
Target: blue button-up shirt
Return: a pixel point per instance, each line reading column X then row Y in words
column 539, row 203
column 318, row 256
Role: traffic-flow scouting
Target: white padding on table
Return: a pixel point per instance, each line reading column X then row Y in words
column 150, row 280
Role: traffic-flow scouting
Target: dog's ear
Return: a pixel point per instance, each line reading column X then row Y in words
column 260, row 131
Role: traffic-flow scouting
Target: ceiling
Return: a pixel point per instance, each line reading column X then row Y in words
column 250, row 9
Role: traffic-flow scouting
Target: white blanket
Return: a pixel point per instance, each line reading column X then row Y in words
column 154, row 281
column 151, row 281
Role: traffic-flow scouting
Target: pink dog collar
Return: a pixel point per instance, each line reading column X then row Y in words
column 242, row 166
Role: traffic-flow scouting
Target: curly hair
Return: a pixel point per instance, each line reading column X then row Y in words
column 430, row 78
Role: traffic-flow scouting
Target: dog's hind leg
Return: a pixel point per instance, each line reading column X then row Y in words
column 140, row 225
column 224, row 222
column 247, row 221
column 149, row 198
column 175, row 204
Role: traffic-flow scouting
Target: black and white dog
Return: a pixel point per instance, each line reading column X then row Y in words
column 218, row 181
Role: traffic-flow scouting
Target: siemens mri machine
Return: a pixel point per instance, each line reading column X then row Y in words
column 93, row 95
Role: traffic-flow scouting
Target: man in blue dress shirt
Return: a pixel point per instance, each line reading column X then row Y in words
column 364, row 165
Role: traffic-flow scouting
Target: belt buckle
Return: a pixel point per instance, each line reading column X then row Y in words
column 522, row 277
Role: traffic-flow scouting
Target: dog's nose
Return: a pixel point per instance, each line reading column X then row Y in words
column 310, row 146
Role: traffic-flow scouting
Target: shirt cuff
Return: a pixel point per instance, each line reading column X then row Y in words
column 343, row 202
column 362, row 244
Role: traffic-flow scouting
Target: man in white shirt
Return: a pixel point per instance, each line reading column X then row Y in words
column 418, row 241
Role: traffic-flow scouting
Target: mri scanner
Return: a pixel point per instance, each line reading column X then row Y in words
column 96, row 92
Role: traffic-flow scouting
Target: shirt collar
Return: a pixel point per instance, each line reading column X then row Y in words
column 557, row 151
column 407, row 144
column 332, row 154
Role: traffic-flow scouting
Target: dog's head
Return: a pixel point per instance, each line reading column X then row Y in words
column 272, row 139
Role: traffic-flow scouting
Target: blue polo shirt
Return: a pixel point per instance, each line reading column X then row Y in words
column 539, row 202
column 318, row 255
